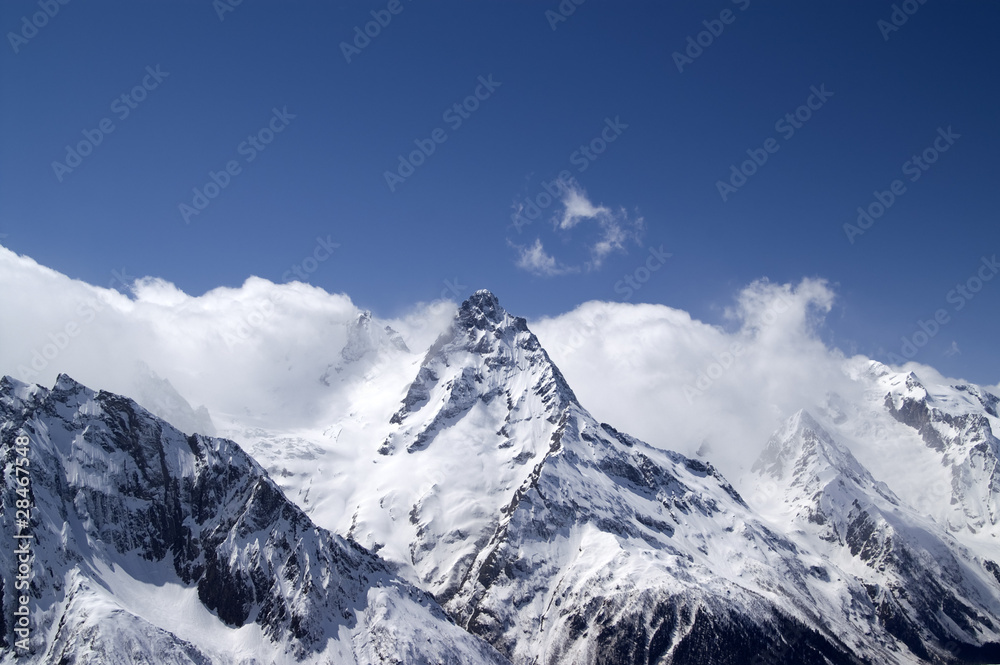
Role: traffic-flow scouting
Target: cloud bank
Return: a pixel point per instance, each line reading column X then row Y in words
column 256, row 353
column 682, row 384
column 269, row 355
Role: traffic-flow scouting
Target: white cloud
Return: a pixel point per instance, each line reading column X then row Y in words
column 535, row 260
column 646, row 368
column 614, row 235
column 256, row 352
column 577, row 207
column 615, row 228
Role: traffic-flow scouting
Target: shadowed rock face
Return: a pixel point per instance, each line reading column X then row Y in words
column 928, row 592
column 967, row 445
column 114, row 486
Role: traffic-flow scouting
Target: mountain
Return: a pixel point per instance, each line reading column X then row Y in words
column 562, row 540
column 955, row 423
column 159, row 396
column 484, row 515
column 365, row 339
column 151, row 546
column 931, row 593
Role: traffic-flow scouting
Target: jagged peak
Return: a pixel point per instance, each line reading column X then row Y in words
column 10, row 383
column 66, row 383
column 877, row 370
column 485, row 302
column 799, row 441
column 913, row 381
column 493, row 337
column 364, row 336
column 802, row 419
column 988, row 400
column 483, row 311
column 396, row 340
column 804, row 423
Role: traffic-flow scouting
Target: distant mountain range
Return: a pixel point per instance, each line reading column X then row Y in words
column 480, row 514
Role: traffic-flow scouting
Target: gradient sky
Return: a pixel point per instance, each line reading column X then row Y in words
column 449, row 224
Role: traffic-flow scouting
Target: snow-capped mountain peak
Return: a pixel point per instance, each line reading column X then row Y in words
column 479, row 476
column 483, row 308
column 926, row 587
column 498, row 492
column 485, row 354
column 958, row 425
column 801, row 447
column 365, row 336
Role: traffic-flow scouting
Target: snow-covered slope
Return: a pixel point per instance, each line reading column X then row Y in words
column 562, row 540
column 957, row 423
column 319, row 467
column 931, row 593
column 475, row 472
column 155, row 547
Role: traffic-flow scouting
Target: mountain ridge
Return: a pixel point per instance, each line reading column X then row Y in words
column 488, row 496
column 130, row 511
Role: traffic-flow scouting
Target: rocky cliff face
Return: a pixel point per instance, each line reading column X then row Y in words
column 562, row 540
column 537, row 535
column 930, row 593
column 957, row 423
column 153, row 546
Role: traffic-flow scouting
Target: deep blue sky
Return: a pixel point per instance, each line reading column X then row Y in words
column 323, row 175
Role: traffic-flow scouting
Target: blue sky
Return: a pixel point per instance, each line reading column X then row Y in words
column 198, row 86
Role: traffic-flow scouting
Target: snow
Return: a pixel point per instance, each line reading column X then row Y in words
column 477, row 475
column 102, row 594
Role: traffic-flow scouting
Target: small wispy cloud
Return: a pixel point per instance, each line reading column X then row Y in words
column 616, row 229
column 577, row 207
column 538, row 262
column 609, row 231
